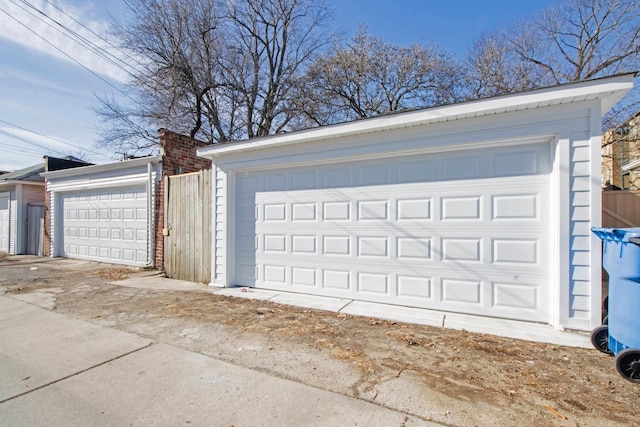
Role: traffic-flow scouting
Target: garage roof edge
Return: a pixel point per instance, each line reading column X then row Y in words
column 608, row 89
column 85, row 170
column 16, row 182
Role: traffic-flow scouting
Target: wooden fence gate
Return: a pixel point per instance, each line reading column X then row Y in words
column 621, row 209
column 187, row 213
column 35, row 230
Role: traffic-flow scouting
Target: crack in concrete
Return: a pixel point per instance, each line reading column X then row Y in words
column 76, row 373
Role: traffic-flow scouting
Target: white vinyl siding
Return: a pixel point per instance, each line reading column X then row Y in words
column 219, row 257
column 13, row 222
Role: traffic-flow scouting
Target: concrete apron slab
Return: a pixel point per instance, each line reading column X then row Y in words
column 39, row 347
column 528, row 331
column 162, row 283
column 289, row 298
column 502, row 327
column 165, row 385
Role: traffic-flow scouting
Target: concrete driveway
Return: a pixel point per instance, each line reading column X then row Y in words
column 59, row 371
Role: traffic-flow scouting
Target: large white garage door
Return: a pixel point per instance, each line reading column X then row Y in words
column 466, row 231
column 4, row 224
column 107, row 225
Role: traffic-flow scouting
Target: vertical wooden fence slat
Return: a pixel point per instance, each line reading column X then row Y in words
column 188, row 215
column 168, row 250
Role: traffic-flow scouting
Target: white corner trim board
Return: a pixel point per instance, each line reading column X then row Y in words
column 5, row 221
column 480, row 208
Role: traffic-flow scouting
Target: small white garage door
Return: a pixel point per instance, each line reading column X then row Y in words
column 108, row 225
column 464, row 231
column 4, row 224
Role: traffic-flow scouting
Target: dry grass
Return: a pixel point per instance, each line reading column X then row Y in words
column 3, row 255
column 114, row 274
column 357, row 357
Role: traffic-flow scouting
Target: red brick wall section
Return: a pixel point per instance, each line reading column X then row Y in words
column 178, row 156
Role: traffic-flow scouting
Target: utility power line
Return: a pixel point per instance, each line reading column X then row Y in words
column 74, row 36
column 19, row 138
column 85, row 43
column 68, row 56
column 55, row 139
column 13, row 149
column 125, row 54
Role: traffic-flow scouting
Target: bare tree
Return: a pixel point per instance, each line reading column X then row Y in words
column 577, row 40
column 367, row 76
column 583, row 39
column 495, row 69
column 173, row 45
column 125, row 129
column 276, row 39
column 216, row 70
column 573, row 41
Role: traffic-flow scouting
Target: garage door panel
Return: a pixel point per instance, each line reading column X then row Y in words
column 414, row 248
column 454, row 206
column 461, row 167
column 518, row 163
column 515, row 251
column 337, row 177
column 420, row 247
column 444, row 289
column 466, row 291
column 414, row 289
column 106, row 225
column 461, row 231
column 515, row 296
column 304, row 277
column 337, row 280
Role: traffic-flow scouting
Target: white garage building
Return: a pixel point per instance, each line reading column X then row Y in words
column 105, row 212
column 481, row 208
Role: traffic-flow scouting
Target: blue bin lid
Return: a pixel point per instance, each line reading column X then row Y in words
column 618, row 234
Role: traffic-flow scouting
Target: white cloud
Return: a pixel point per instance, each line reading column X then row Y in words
column 36, row 81
column 25, row 26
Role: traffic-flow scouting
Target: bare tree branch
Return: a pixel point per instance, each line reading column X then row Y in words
column 215, row 69
column 367, row 76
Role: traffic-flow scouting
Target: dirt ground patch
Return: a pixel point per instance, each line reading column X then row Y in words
column 452, row 377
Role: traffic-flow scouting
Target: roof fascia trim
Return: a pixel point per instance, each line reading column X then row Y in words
column 611, row 87
column 86, row 170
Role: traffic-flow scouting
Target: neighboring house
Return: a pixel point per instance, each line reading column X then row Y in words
column 19, row 191
column 114, row 212
column 621, row 156
column 22, row 206
column 481, row 208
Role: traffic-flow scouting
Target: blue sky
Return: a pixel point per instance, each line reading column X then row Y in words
column 45, row 96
